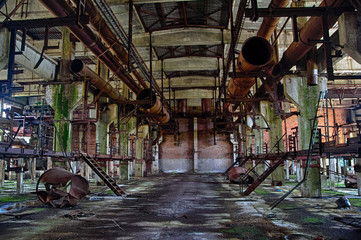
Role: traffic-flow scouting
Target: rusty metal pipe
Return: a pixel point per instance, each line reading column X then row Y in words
column 256, row 53
column 311, row 31
column 269, row 24
column 79, row 68
column 101, row 27
column 61, row 8
column 155, row 108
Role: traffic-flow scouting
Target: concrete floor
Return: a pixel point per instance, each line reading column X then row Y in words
column 183, row 206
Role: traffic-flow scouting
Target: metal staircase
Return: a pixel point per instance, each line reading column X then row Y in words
column 110, row 182
column 265, row 174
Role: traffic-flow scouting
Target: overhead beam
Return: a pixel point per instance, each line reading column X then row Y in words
column 183, row 37
column 186, row 64
column 344, row 93
column 45, row 22
column 120, row 2
column 298, row 11
column 189, row 82
column 191, row 94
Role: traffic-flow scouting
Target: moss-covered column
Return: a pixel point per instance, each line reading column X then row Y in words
column 332, row 172
column 275, row 123
column 2, row 172
column 124, row 166
column 259, row 142
column 358, row 175
column 20, row 177
column 139, row 151
column 63, row 98
column 306, row 97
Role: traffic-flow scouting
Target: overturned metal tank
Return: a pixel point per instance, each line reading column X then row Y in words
column 57, row 192
column 154, row 106
column 238, row 175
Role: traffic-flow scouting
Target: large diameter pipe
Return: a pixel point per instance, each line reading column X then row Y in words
column 155, row 107
column 311, row 31
column 61, row 8
column 79, row 68
column 101, row 27
column 269, row 24
column 256, row 53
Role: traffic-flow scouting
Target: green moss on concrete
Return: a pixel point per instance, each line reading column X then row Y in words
column 17, row 198
column 246, row 232
column 261, row 191
column 331, row 193
column 356, row 202
column 314, row 220
column 65, row 98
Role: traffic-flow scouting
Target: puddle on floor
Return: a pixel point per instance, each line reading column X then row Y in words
column 7, row 207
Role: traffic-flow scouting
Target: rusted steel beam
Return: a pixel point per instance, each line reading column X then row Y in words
column 60, row 8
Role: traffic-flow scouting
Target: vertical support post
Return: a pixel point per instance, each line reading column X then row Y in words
column 327, row 48
column 151, row 63
column 295, row 28
column 224, row 75
column 20, row 177
column 332, row 172
column 130, row 35
column 169, row 99
column 2, row 172
column 195, row 147
column 162, row 97
column 11, row 62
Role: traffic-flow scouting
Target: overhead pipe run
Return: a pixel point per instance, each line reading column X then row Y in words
column 256, row 53
column 154, row 106
column 269, row 24
column 101, row 27
column 311, row 32
column 78, row 68
column 61, row 8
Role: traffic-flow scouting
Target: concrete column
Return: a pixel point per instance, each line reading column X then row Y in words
column 64, row 97
column 2, row 172
column 352, row 164
column 358, row 175
column 32, row 169
column 287, row 169
column 324, row 166
column 123, row 170
column 20, row 177
column 345, row 167
column 306, row 97
column 299, row 172
column 155, row 165
column 139, row 169
column 339, row 172
column 275, row 122
column 332, row 172
column 195, row 147
column 49, row 163
column 293, row 167
column 259, row 140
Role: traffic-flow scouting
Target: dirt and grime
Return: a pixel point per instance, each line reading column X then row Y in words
column 184, row 206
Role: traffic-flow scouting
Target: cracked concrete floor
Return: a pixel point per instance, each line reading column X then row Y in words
column 174, row 206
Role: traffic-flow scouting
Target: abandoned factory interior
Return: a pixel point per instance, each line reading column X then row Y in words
column 180, row 119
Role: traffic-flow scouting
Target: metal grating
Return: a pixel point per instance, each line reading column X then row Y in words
column 39, row 33
column 206, row 73
column 170, row 15
column 211, row 13
column 181, row 51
